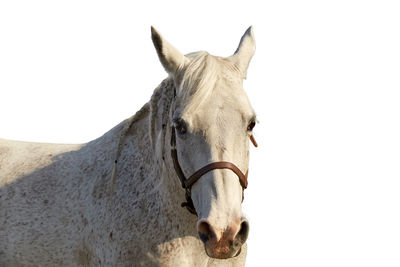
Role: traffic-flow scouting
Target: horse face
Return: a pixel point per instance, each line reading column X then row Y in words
column 213, row 120
column 218, row 131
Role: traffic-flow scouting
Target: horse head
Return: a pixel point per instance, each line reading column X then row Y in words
column 211, row 123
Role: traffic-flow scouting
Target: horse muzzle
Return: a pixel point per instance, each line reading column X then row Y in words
column 223, row 244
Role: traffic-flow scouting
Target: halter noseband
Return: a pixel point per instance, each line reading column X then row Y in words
column 188, row 183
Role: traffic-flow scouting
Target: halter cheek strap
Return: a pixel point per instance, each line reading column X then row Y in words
column 188, row 183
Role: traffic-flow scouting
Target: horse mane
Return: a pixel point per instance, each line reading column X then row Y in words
column 124, row 133
column 160, row 101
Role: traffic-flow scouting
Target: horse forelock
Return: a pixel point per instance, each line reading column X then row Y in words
column 197, row 80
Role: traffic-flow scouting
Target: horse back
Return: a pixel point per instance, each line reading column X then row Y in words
column 35, row 200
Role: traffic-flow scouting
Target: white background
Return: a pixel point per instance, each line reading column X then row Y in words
column 324, row 185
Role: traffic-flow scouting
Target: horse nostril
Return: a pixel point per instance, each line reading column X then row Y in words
column 205, row 231
column 243, row 232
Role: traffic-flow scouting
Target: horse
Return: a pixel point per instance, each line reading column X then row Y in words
column 116, row 200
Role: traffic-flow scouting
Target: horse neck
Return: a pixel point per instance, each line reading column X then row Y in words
column 141, row 152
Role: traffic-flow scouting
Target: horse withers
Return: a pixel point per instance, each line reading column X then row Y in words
column 116, row 201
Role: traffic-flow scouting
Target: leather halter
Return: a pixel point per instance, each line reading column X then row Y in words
column 188, row 183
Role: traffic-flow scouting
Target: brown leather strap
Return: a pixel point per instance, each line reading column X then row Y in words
column 174, row 156
column 253, row 140
column 217, row 165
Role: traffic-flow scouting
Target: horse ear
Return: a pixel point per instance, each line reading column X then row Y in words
column 171, row 59
column 245, row 51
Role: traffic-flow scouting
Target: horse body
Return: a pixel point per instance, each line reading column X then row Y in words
column 114, row 201
column 57, row 205
column 48, row 195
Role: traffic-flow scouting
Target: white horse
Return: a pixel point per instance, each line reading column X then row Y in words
column 116, row 201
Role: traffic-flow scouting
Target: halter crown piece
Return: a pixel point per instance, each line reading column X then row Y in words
column 187, row 183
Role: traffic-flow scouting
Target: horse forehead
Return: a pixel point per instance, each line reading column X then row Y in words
column 229, row 103
column 221, row 100
column 221, row 114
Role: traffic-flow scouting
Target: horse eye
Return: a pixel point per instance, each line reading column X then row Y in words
column 180, row 126
column 251, row 126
